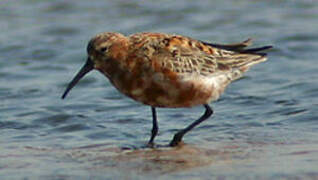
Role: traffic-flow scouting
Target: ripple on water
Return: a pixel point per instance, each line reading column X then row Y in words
column 288, row 110
column 287, row 102
column 43, row 54
column 54, row 120
column 61, row 31
column 58, row 7
column 12, row 48
column 299, row 37
column 311, row 92
column 17, row 125
column 71, row 128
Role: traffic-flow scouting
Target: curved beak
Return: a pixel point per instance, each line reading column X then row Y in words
column 89, row 65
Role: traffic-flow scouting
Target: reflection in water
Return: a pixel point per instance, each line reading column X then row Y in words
column 106, row 160
column 164, row 160
column 144, row 160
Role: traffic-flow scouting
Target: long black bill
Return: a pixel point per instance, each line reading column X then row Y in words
column 85, row 69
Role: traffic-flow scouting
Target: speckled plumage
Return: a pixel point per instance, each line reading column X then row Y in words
column 164, row 70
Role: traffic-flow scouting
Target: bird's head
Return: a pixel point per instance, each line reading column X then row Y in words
column 102, row 50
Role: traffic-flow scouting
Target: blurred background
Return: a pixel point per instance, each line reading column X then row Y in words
column 270, row 115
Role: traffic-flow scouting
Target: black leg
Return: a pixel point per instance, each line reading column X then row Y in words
column 178, row 136
column 154, row 130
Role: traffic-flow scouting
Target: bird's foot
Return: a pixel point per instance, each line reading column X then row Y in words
column 177, row 139
column 150, row 145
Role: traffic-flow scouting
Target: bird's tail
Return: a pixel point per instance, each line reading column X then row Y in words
column 240, row 47
column 238, row 57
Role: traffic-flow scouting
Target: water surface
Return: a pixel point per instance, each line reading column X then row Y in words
column 264, row 126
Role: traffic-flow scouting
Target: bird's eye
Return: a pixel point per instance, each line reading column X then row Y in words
column 104, row 49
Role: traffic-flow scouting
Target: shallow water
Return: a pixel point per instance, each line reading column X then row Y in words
column 264, row 126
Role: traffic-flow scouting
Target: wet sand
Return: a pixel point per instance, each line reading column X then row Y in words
column 97, row 159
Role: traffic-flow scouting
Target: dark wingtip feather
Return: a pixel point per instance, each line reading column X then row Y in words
column 240, row 47
column 256, row 50
column 231, row 47
column 252, row 50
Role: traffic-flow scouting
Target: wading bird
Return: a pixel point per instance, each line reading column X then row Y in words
column 168, row 71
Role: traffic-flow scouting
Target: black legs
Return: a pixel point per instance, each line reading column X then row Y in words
column 178, row 136
column 154, row 130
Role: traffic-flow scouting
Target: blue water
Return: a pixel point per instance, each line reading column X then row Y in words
column 265, row 126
